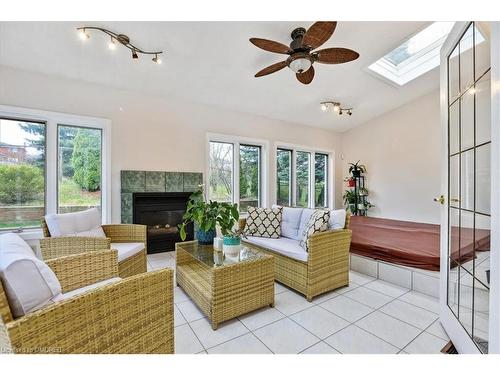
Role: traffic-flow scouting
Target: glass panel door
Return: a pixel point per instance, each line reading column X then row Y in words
column 469, row 184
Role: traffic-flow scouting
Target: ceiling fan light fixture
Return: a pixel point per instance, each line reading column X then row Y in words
column 300, row 64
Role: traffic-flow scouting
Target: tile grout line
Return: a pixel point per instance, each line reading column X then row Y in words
column 192, row 330
column 420, row 334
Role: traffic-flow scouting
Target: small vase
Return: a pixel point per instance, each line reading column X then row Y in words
column 231, row 245
column 205, row 237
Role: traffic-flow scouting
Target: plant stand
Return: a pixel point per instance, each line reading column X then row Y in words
column 359, row 208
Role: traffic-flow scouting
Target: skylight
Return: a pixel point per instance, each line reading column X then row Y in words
column 414, row 57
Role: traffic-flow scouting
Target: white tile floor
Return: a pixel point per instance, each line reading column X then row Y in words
column 369, row 316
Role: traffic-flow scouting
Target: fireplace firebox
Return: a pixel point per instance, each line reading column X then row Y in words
column 161, row 213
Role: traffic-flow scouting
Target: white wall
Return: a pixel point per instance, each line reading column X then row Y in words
column 153, row 133
column 401, row 150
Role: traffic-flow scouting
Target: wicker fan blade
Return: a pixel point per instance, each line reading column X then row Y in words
column 318, row 34
column 335, row 55
column 306, row 77
column 271, row 45
column 271, row 69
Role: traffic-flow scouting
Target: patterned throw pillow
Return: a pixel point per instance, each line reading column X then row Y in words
column 317, row 223
column 264, row 222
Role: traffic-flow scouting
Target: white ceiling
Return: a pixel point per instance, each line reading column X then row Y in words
column 214, row 63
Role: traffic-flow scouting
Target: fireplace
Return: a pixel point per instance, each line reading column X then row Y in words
column 162, row 213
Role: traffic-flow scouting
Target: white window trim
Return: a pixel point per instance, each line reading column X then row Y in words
column 313, row 151
column 236, row 141
column 52, row 120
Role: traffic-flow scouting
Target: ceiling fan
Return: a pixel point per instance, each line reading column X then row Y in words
column 301, row 55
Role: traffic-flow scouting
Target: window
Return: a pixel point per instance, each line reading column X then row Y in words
column 235, row 172
column 22, row 173
column 221, row 172
column 249, row 176
column 51, row 162
column 79, row 168
column 284, row 177
column 415, row 56
column 320, row 178
column 302, row 178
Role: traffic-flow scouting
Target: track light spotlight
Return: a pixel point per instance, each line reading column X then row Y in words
column 156, row 59
column 112, row 44
column 82, row 33
column 134, row 55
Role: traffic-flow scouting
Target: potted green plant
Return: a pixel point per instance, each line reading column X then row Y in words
column 227, row 219
column 203, row 214
column 350, row 199
column 355, row 169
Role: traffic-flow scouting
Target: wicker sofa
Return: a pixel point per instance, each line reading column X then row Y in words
column 133, row 315
column 324, row 268
column 128, row 239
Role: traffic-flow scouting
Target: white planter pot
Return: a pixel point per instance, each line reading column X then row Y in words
column 232, row 250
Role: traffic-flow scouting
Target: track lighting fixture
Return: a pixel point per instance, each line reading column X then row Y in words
column 122, row 39
column 335, row 107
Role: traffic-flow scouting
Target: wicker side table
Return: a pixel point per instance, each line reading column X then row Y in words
column 224, row 288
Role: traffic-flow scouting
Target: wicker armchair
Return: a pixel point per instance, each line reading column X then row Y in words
column 134, row 315
column 327, row 266
column 55, row 247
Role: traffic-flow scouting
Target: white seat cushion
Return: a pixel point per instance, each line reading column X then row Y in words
column 29, row 283
column 284, row 246
column 82, row 223
column 76, row 292
column 337, row 219
column 126, row 249
column 290, row 221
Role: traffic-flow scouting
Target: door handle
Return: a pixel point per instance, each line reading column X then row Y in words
column 440, row 199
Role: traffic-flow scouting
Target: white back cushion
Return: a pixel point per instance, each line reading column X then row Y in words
column 75, row 223
column 29, row 283
column 337, row 219
column 290, row 221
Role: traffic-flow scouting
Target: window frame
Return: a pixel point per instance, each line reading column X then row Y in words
column 238, row 141
column 330, row 182
column 327, row 177
column 44, row 123
column 58, row 126
column 290, row 181
column 52, row 120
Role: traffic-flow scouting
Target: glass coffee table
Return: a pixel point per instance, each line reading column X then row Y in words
column 224, row 287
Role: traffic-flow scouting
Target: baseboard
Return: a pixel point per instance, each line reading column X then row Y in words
column 423, row 281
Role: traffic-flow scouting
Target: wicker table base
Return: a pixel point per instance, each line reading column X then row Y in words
column 227, row 290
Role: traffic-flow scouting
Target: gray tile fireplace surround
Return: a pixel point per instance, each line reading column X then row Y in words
column 154, row 181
